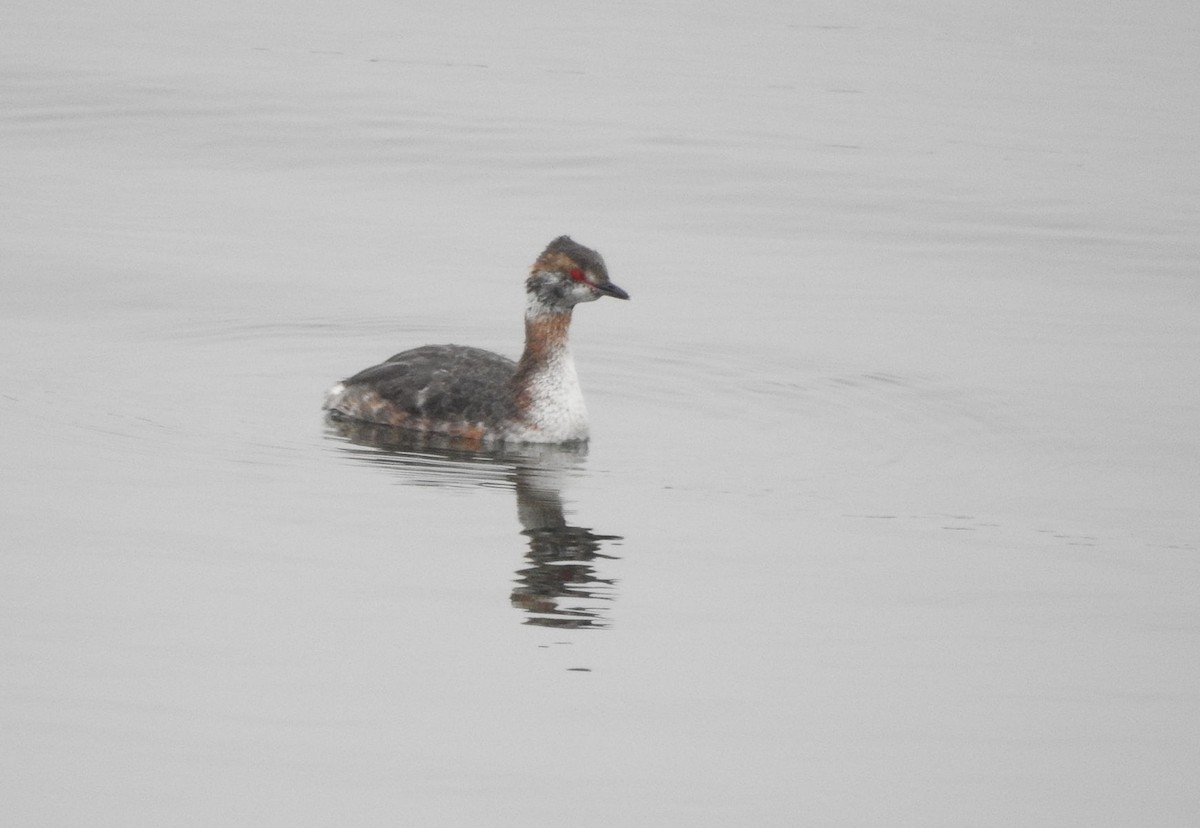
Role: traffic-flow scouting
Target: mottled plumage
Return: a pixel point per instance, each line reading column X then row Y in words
column 477, row 395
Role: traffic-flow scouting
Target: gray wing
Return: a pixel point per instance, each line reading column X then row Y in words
column 444, row 382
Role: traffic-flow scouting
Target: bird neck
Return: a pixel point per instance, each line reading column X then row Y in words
column 546, row 388
column 546, row 330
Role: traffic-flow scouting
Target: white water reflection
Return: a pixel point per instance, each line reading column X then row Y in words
column 559, row 586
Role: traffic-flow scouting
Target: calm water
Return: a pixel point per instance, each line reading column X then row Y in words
column 890, row 512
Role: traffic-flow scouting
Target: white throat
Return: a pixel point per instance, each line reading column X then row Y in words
column 556, row 406
column 553, row 400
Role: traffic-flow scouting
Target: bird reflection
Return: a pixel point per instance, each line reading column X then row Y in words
column 560, row 587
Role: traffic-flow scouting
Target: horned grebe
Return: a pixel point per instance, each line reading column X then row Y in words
column 479, row 396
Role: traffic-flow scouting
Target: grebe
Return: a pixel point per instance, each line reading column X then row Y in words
column 479, row 396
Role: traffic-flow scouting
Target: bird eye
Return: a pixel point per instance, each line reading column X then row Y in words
column 577, row 274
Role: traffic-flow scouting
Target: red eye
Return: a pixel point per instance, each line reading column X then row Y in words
column 577, row 274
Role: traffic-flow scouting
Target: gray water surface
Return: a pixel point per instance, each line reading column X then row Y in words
column 890, row 512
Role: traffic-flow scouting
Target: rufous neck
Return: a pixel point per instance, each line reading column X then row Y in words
column 546, row 334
